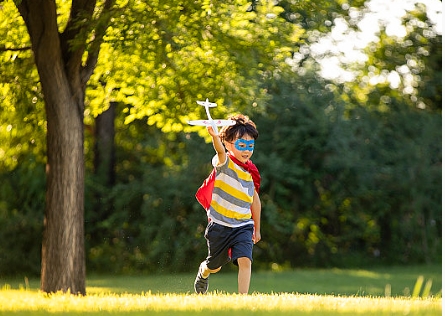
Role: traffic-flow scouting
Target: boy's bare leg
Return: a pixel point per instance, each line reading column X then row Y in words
column 244, row 273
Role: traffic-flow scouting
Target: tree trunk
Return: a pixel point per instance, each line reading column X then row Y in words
column 104, row 156
column 104, row 165
column 63, row 253
column 63, row 258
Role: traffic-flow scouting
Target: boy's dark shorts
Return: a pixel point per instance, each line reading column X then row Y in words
column 222, row 238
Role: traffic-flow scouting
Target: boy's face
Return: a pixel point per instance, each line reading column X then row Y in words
column 241, row 147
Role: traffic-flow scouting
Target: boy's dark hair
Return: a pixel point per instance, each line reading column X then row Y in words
column 242, row 126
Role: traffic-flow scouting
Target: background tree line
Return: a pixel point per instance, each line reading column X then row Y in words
column 351, row 170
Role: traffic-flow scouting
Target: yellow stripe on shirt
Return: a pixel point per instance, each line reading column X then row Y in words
column 243, row 175
column 229, row 213
column 233, row 191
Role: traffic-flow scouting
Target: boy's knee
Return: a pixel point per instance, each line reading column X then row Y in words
column 244, row 262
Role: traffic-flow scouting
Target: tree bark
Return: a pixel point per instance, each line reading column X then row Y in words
column 63, row 253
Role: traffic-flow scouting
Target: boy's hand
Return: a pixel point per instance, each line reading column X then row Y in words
column 256, row 236
column 211, row 131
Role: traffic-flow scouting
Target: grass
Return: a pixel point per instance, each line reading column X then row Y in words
column 392, row 291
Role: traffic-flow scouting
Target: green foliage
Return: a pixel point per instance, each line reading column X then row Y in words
column 351, row 173
column 21, row 218
column 154, row 222
column 348, row 189
column 22, row 123
column 161, row 68
column 337, row 190
column 385, row 178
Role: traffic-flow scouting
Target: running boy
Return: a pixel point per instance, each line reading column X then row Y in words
column 230, row 197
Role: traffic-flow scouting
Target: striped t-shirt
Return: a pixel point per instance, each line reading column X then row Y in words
column 232, row 195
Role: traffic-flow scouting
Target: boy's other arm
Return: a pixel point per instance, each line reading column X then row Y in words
column 256, row 216
column 218, row 145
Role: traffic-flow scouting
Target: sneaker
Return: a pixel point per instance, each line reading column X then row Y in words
column 201, row 284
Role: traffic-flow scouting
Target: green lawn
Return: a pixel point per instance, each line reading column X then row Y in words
column 399, row 280
column 297, row 292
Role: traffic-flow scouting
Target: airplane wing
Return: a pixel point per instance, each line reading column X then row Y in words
column 207, row 103
column 209, row 123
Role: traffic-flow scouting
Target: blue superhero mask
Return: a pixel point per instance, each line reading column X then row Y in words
column 242, row 144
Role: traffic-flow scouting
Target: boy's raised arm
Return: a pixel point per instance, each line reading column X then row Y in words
column 218, row 145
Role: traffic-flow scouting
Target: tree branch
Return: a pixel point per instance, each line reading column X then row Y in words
column 99, row 33
column 19, row 49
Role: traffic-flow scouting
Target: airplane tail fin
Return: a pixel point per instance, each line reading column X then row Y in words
column 207, row 103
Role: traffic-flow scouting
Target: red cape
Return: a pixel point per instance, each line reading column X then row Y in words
column 204, row 193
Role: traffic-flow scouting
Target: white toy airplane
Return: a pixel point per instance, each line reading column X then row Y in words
column 210, row 122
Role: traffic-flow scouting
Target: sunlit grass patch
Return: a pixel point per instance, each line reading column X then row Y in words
column 22, row 301
column 316, row 292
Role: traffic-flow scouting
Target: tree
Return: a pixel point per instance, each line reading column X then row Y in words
column 64, row 73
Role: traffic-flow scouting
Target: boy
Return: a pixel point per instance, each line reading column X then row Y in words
column 230, row 197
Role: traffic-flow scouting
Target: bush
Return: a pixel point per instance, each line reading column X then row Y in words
column 22, row 192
